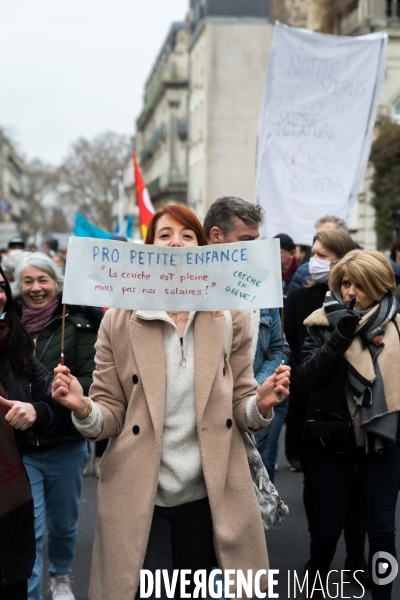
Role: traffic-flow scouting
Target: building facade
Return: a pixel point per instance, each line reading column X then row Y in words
column 162, row 125
column 12, row 201
column 228, row 55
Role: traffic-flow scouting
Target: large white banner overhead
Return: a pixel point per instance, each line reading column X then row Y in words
column 241, row 276
column 317, row 116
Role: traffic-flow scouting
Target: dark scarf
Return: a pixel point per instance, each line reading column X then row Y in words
column 34, row 320
column 292, row 268
column 373, row 360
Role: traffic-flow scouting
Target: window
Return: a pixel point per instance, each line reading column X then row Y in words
column 396, row 111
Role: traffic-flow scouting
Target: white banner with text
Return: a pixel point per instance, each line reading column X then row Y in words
column 239, row 276
column 317, row 115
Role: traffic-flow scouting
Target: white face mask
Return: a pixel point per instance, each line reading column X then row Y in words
column 320, row 269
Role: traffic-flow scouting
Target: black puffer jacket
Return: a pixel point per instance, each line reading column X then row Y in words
column 322, row 371
column 298, row 306
column 17, row 535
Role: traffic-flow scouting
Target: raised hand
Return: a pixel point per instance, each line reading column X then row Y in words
column 20, row 415
column 67, row 390
column 274, row 390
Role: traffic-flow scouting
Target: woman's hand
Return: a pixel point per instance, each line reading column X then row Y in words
column 274, row 390
column 20, row 415
column 67, row 390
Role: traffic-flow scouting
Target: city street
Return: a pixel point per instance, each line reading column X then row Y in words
column 287, row 545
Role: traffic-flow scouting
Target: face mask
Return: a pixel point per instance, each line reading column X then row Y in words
column 320, row 269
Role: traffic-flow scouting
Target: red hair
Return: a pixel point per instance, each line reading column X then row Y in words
column 181, row 215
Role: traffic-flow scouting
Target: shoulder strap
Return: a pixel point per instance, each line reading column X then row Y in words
column 228, row 332
column 40, row 358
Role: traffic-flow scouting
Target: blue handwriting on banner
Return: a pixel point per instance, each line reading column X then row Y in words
column 151, row 257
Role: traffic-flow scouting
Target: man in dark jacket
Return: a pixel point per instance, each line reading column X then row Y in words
column 288, row 259
column 235, row 220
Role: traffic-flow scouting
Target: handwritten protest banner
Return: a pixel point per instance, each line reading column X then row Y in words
column 245, row 275
column 317, row 115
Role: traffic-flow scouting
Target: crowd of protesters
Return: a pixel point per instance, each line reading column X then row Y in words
column 182, row 467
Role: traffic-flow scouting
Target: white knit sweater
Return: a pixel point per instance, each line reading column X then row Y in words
column 181, row 478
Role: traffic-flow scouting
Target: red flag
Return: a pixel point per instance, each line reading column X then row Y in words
column 146, row 208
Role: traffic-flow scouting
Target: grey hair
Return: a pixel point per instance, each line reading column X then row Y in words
column 40, row 261
column 10, row 261
column 340, row 224
column 224, row 212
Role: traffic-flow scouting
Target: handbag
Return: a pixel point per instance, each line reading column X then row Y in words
column 273, row 509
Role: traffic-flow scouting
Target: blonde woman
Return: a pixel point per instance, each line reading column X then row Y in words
column 351, row 365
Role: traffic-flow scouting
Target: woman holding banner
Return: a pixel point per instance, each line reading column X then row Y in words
column 350, row 364
column 175, row 490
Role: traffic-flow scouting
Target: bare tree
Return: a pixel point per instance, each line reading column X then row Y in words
column 86, row 176
column 58, row 221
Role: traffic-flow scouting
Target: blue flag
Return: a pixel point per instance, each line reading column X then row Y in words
column 129, row 226
column 83, row 228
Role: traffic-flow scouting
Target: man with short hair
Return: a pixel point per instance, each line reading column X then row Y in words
column 231, row 219
column 329, row 223
column 288, row 259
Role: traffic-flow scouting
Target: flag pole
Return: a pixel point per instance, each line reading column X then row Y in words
column 62, row 359
column 283, row 343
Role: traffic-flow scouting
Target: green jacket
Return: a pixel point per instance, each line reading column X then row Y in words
column 81, row 327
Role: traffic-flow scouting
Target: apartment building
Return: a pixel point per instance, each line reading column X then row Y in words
column 228, row 56
column 161, row 137
column 12, row 201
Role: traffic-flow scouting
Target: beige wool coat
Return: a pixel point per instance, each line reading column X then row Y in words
column 129, row 386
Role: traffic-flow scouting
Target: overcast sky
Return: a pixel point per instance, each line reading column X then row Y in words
column 71, row 68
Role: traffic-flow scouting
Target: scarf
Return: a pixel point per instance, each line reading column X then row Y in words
column 35, row 319
column 373, row 360
column 290, row 270
column 14, row 486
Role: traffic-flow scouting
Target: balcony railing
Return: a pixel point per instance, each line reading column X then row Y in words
column 158, row 135
column 349, row 23
column 165, row 183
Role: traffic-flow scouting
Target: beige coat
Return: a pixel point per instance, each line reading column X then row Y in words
column 128, row 346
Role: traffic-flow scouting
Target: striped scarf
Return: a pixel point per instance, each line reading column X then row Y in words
column 373, row 365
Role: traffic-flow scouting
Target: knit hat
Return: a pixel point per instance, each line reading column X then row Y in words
column 286, row 242
column 16, row 240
